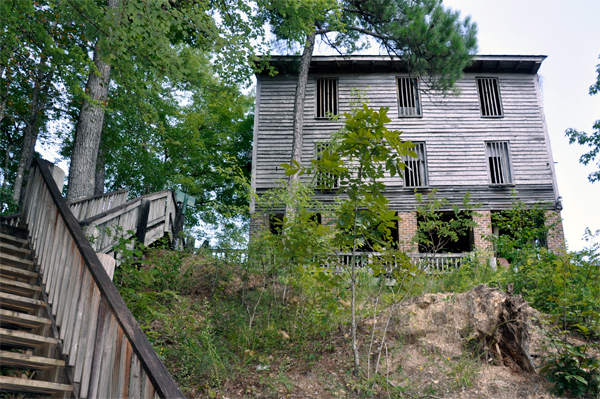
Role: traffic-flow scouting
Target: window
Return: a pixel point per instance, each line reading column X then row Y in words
column 497, row 153
column 489, row 97
column 327, row 97
column 409, row 102
column 415, row 174
column 276, row 223
column 325, row 179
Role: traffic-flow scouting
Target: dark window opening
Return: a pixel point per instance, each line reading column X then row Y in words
column 392, row 233
column 489, row 97
column 497, row 153
column 519, row 228
column 276, row 223
column 325, row 179
column 316, row 218
column 443, row 244
column 415, row 174
column 409, row 101
column 327, row 97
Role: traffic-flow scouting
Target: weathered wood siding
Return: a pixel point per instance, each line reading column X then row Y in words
column 452, row 128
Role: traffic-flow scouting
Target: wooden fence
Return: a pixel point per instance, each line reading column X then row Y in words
column 149, row 218
column 88, row 207
column 108, row 354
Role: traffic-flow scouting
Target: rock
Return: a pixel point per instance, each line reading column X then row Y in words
column 485, row 320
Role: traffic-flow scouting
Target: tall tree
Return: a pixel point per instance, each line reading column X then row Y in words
column 591, row 140
column 428, row 39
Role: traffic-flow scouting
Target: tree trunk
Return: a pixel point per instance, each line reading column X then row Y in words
column 100, row 172
column 88, row 133
column 30, row 134
column 82, row 171
column 299, row 101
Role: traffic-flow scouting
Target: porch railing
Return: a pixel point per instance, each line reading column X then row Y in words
column 88, row 207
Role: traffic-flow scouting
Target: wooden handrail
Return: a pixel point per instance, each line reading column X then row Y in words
column 85, row 208
column 108, row 352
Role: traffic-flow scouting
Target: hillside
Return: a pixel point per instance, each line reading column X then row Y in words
column 226, row 331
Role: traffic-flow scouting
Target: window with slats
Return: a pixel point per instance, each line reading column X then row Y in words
column 498, row 156
column 415, row 174
column 409, row 101
column 324, row 179
column 327, row 97
column 489, row 97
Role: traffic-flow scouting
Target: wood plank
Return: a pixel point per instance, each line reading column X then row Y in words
column 20, row 303
column 15, row 287
column 9, row 317
column 80, row 322
column 88, row 334
column 125, row 371
column 108, row 353
column 15, row 261
column 14, row 359
column 135, row 380
column 18, row 251
column 16, row 273
column 32, row 386
column 25, row 339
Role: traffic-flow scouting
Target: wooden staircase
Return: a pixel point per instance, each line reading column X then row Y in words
column 30, row 364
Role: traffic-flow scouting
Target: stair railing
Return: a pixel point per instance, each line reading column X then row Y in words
column 107, row 353
column 149, row 217
column 88, row 207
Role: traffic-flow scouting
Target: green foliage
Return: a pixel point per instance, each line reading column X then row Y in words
column 434, row 232
column 592, row 139
column 572, row 368
column 521, row 231
column 431, row 40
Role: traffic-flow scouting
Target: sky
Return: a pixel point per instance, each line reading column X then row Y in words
column 569, row 34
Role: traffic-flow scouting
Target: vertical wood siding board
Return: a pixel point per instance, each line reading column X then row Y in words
column 49, row 278
column 48, row 239
column 40, row 216
column 59, row 275
column 60, row 237
column 135, row 380
column 86, row 357
column 33, row 197
column 87, row 320
column 147, row 388
column 108, row 353
column 72, row 305
column 31, row 188
column 36, row 212
column 67, row 289
column 52, row 251
column 124, row 375
column 116, row 364
column 91, row 379
column 81, row 316
column 62, row 283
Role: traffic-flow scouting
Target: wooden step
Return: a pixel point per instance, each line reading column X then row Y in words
column 13, row 240
column 24, row 339
column 18, row 287
column 20, row 303
column 11, row 318
column 15, row 359
column 15, row 250
column 15, row 261
column 32, row 386
column 17, row 273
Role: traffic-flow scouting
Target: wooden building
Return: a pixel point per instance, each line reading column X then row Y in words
column 489, row 140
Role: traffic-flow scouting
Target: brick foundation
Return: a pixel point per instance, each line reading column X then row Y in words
column 258, row 223
column 556, row 235
column 482, row 230
column 407, row 228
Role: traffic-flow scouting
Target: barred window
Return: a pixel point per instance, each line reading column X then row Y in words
column 489, row 97
column 325, row 179
column 327, row 97
column 409, row 101
column 415, row 174
column 498, row 155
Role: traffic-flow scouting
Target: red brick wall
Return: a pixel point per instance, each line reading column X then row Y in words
column 556, row 235
column 407, row 227
column 258, row 222
column 482, row 230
